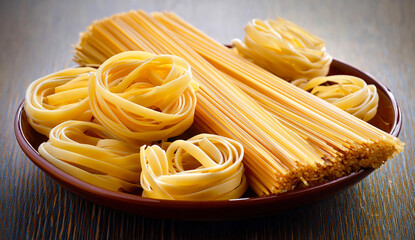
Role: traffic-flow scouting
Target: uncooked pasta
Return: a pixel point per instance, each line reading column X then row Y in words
column 284, row 49
column 58, row 97
column 91, row 153
column 290, row 137
column 349, row 93
column 205, row 167
column 141, row 97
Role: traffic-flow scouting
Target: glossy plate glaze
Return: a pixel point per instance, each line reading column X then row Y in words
column 388, row 118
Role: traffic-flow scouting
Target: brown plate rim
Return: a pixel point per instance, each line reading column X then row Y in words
column 108, row 198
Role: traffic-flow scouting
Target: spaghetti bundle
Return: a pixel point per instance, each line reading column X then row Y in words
column 347, row 92
column 205, row 167
column 284, row 49
column 58, row 97
column 290, row 137
column 141, row 97
column 312, row 118
column 89, row 152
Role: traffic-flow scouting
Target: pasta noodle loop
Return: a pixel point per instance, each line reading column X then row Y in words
column 349, row 93
column 284, row 49
column 89, row 152
column 205, row 167
column 142, row 97
column 58, row 97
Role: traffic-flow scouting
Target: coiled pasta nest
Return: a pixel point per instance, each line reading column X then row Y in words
column 141, row 97
column 205, row 167
column 92, row 154
column 349, row 93
column 58, row 97
column 284, row 49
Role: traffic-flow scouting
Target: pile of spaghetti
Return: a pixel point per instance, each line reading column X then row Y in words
column 255, row 122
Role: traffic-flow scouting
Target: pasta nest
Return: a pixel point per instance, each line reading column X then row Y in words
column 349, row 93
column 205, row 167
column 58, row 97
column 89, row 152
column 142, row 97
column 284, row 49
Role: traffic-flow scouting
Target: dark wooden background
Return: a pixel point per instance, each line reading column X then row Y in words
column 376, row 36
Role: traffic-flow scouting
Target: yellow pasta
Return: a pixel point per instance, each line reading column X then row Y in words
column 284, row 49
column 290, row 137
column 58, row 97
column 349, row 93
column 141, row 97
column 91, row 153
column 294, row 54
column 205, row 167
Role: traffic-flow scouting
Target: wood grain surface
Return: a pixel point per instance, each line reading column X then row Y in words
column 376, row 36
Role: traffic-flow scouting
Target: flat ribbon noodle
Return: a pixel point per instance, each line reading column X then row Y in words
column 205, row 167
column 349, row 93
column 284, row 49
column 58, row 97
column 89, row 152
column 142, row 97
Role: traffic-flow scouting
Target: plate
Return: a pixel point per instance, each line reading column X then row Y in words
column 388, row 118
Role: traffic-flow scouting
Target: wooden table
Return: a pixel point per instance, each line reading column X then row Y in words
column 376, row 36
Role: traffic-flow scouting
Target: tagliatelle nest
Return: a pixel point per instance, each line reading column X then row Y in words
column 205, row 167
column 141, row 97
column 58, row 97
column 284, row 49
column 349, row 93
column 92, row 154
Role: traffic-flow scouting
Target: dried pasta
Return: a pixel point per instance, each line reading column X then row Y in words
column 290, row 137
column 349, row 93
column 205, row 167
column 142, row 97
column 309, row 117
column 284, row 49
column 58, row 97
column 91, row 153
